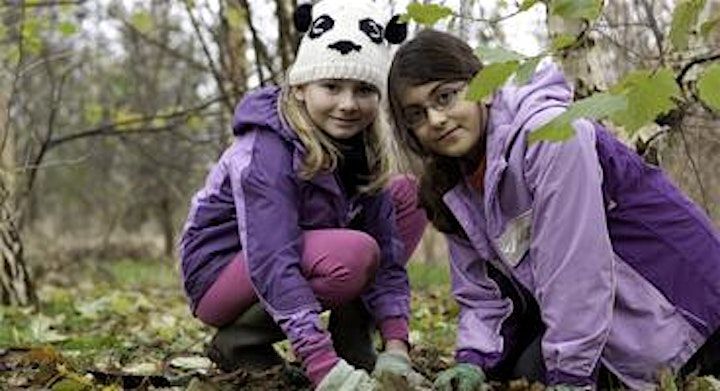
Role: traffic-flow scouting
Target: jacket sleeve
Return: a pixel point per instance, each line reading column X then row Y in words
column 266, row 199
column 483, row 310
column 571, row 253
column 388, row 298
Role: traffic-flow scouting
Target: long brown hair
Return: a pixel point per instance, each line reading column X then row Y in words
column 429, row 57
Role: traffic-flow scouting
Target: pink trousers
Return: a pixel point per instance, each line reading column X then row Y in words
column 338, row 263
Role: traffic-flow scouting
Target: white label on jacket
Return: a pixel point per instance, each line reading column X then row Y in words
column 515, row 241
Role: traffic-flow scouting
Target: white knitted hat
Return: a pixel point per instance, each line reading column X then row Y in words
column 345, row 39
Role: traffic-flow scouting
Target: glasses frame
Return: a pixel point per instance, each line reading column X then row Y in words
column 455, row 87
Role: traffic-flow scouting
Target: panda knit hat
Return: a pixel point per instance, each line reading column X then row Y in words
column 344, row 40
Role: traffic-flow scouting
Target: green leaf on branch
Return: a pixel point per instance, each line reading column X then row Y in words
column 708, row 86
column 489, row 79
column 427, row 14
column 142, row 21
column 93, row 113
column 576, row 9
column 594, row 107
column 195, row 122
column 526, row 70
column 32, row 39
column 649, row 95
column 685, row 17
column 527, row 4
column 67, row 29
column 563, row 41
column 491, row 55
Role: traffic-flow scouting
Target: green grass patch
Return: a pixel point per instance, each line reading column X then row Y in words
column 151, row 272
column 428, row 276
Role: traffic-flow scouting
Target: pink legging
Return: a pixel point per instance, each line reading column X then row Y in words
column 338, row 263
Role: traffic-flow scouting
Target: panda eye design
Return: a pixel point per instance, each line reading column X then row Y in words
column 320, row 26
column 372, row 29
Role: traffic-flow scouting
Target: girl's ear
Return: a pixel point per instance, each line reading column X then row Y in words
column 395, row 32
column 299, row 93
column 303, row 17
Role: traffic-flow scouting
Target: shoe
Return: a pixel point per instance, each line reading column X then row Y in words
column 247, row 343
column 351, row 327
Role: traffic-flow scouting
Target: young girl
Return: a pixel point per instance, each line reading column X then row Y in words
column 295, row 216
column 566, row 257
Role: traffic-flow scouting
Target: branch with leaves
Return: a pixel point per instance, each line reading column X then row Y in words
column 638, row 99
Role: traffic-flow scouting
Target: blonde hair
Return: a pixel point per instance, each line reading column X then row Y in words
column 321, row 154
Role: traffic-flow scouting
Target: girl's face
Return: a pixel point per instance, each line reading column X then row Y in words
column 443, row 122
column 341, row 108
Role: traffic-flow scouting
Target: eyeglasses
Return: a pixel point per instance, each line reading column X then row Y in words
column 443, row 98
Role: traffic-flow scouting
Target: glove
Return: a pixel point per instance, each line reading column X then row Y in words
column 343, row 377
column 461, row 377
column 398, row 365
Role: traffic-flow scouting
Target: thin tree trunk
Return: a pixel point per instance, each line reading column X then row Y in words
column 166, row 220
column 286, row 36
column 16, row 288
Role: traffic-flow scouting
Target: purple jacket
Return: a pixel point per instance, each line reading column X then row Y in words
column 625, row 268
column 254, row 202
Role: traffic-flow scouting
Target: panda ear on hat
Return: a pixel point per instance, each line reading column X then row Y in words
column 302, row 18
column 395, row 31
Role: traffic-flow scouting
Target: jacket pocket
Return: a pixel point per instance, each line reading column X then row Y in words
column 515, row 240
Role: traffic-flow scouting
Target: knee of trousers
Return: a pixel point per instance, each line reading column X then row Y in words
column 404, row 192
column 351, row 267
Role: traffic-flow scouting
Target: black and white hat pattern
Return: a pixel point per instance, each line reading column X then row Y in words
column 344, row 39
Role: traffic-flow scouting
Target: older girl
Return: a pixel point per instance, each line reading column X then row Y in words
column 567, row 258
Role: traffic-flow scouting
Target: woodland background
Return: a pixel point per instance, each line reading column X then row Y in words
column 112, row 112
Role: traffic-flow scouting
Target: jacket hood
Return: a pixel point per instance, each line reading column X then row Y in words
column 260, row 109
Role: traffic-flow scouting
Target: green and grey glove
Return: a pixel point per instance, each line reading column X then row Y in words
column 396, row 364
column 461, row 377
column 344, row 377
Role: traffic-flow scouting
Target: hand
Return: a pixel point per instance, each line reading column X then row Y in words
column 346, row 378
column 461, row 377
column 394, row 366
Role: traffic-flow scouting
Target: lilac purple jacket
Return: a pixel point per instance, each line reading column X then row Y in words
column 254, row 202
column 625, row 268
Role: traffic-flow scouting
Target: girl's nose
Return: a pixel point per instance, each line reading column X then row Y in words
column 348, row 101
column 436, row 118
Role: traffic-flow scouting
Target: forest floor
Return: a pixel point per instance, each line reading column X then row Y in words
column 124, row 324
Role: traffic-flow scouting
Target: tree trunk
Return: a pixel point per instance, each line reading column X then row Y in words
column 16, row 288
column 287, row 39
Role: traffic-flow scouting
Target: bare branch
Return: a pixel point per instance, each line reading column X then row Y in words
column 55, row 98
column 495, row 20
column 286, row 38
column 39, row 4
column 111, row 129
column 696, row 171
column 191, row 61
column 655, row 28
column 612, row 40
column 14, row 84
column 55, row 163
column 256, row 40
column 213, row 68
column 696, row 61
